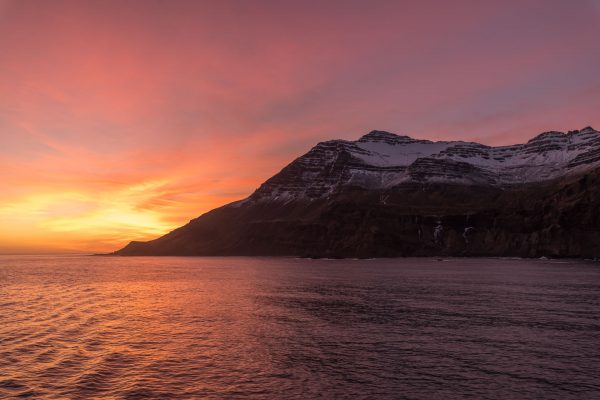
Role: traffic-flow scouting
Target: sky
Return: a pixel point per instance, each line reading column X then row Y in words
column 122, row 120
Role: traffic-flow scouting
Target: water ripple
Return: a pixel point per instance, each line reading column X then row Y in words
column 267, row 328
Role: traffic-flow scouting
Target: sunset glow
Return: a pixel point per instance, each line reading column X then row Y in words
column 121, row 120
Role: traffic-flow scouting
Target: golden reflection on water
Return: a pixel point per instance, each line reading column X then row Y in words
column 90, row 330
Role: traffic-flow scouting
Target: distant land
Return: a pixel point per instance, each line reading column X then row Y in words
column 386, row 195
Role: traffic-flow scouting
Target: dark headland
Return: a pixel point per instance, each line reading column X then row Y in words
column 386, row 195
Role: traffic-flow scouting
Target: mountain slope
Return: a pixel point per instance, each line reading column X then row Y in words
column 390, row 195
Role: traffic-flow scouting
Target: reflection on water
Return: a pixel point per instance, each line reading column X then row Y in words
column 269, row 328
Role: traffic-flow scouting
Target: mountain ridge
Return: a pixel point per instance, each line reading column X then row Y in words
column 381, row 159
column 417, row 197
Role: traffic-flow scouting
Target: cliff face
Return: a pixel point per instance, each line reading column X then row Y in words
column 387, row 195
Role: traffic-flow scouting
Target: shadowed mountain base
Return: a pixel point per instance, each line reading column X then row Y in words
column 557, row 219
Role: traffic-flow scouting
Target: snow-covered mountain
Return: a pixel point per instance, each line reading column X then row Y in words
column 381, row 160
column 386, row 195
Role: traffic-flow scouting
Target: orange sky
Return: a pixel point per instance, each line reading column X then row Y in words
column 121, row 120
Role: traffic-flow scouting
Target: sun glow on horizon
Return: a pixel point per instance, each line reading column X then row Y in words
column 88, row 221
column 83, row 220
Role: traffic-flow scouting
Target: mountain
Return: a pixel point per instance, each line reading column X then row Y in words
column 388, row 195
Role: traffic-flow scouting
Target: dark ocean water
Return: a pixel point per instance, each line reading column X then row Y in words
column 272, row 328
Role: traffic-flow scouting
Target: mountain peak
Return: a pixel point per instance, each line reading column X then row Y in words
column 384, row 136
column 548, row 136
column 588, row 129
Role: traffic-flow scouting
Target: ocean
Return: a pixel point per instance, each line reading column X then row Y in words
column 85, row 327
